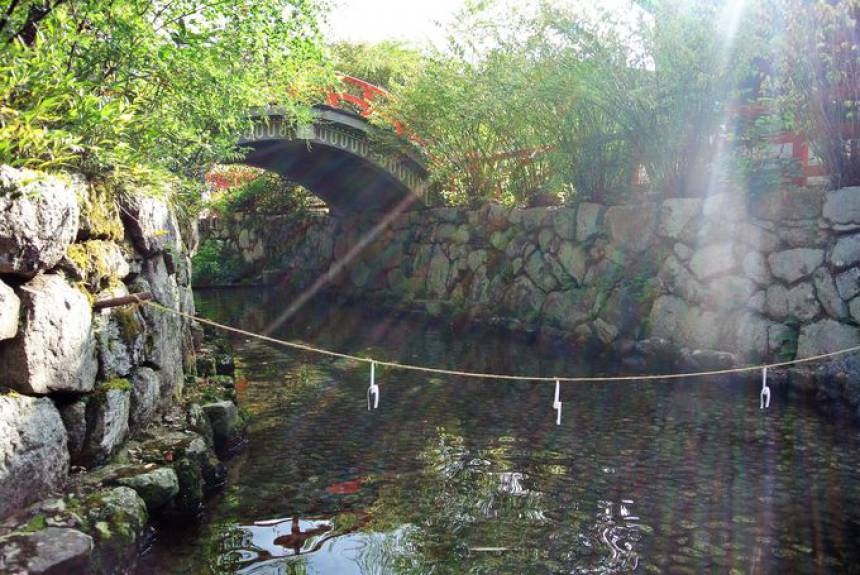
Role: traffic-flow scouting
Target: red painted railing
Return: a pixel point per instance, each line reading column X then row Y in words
column 363, row 103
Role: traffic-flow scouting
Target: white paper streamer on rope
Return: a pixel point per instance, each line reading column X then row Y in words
column 373, row 390
column 556, row 403
column 764, row 402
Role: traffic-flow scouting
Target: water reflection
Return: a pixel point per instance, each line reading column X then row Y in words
column 459, row 476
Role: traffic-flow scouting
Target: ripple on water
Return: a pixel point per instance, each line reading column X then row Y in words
column 456, row 476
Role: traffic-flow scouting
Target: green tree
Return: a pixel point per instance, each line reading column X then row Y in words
column 385, row 64
column 148, row 87
column 813, row 75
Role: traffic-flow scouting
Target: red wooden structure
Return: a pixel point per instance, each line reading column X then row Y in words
column 363, row 103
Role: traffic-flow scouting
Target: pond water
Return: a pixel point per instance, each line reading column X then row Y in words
column 464, row 476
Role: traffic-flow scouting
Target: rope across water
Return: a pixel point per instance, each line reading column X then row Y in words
column 497, row 376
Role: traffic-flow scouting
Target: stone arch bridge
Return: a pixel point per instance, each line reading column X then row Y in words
column 335, row 159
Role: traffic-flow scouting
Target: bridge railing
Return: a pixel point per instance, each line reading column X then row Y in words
column 359, row 96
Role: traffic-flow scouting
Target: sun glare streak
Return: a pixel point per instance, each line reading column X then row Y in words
column 729, row 22
column 340, row 264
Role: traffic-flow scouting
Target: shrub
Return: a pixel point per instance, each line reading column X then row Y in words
column 146, row 88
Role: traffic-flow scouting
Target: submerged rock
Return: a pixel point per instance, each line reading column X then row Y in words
column 186, row 450
column 198, row 422
column 225, row 422
column 51, row 551
column 34, row 459
column 157, row 487
column 189, row 499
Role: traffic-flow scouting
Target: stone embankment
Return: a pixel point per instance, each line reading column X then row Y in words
column 722, row 280
column 84, row 389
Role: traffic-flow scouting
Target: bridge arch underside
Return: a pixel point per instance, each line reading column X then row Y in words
column 350, row 184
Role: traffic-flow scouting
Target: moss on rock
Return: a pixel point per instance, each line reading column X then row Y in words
column 130, row 324
column 101, row 264
column 100, row 214
column 116, row 519
column 118, row 383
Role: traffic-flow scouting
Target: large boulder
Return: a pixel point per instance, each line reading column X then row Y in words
column 826, row 336
column 225, row 422
column 786, row 205
column 755, row 268
column 828, row 294
column 676, row 215
column 162, row 282
column 34, row 459
column 50, row 551
column 121, row 336
column 152, row 225
column 539, row 269
column 523, row 297
column 632, row 227
column 842, row 207
column 117, row 519
column 729, row 292
column 846, row 252
column 10, row 306
column 38, row 219
column 796, row 264
column 145, row 396
column 673, row 319
column 164, row 330
column 848, row 283
column 588, row 218
column 795, row 302
column 677, row 280
column 746, row 334
column 107, row 422
column 437, row 274
column 157, row 487
column 564, row 223
column 573, row 260
column 713, row 260
column 99, row 262
column 55, row 349
column 567, row 309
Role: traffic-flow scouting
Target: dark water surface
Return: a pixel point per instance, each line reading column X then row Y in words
column 464, row 476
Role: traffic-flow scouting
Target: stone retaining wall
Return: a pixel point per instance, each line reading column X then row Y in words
column 721, row 280
column 75, row 383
